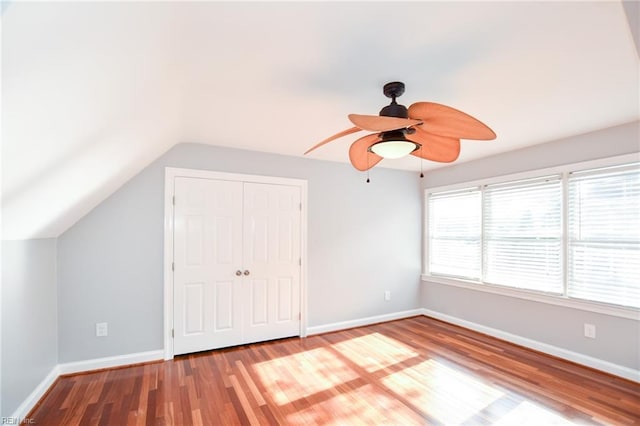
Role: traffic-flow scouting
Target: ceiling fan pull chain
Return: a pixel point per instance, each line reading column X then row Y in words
column 421, row 162
column 368, row 168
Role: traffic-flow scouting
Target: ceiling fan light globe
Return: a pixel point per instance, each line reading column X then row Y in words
column 393, row 149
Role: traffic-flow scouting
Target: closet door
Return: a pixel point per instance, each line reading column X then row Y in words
column 271, row 259
column 208, row 295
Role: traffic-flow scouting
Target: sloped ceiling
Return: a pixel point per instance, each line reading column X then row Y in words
column 92, row 92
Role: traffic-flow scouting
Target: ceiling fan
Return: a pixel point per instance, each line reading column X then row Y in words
column 426, row 130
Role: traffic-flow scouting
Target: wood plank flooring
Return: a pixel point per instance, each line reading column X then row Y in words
column 412, row 371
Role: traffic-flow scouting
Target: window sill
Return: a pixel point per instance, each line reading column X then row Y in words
column 601, row 308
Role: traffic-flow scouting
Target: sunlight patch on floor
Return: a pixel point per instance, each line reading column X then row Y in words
column 374, row 351
column 530, row 414
column 303, row 374
column 441, row 392
column 363, row 405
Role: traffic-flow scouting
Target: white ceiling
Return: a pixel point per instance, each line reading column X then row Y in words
column 93, row 92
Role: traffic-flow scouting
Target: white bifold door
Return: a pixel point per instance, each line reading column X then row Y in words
column 236, row 263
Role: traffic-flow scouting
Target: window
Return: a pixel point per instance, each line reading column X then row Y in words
column 454, row 233
column 604, row 236
column 569, row 234
column 523, row 234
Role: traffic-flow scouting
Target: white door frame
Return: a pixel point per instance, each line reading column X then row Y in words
column 170, row 174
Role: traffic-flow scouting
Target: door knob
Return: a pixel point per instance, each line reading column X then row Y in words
column 238, row 272
column 246, row 272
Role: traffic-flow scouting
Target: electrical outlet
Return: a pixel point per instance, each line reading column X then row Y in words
column 590, row 331
column 387, row 295
column 101, row 329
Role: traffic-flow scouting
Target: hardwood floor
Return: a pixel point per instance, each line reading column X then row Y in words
column 412, row 371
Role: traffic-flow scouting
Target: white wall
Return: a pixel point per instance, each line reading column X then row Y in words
column 29, row 318
column 363, row 239
column 618, row 339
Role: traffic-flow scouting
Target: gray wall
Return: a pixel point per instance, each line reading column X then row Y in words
column 363, row 239
column 29, row 318
column 618, row 339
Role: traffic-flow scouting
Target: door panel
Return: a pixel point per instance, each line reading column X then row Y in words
column 193, row 309
column 223, row 236
column 285, row 300
column 195, row 237
column 259, row 302
column 258, row 228
column 224, row 305
column 207, row 252
column 271, row 247
column 285, row 240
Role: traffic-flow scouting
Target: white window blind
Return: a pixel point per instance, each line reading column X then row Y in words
column 604, row 235
column 454, row 233
column 523, row 234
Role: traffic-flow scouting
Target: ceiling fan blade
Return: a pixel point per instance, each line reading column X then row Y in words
column 359, row 155
column 446, row 121
column 377, row 123
column 336, row 136
column 435, row 147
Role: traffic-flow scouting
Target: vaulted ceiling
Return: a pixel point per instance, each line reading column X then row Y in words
column 92, row 92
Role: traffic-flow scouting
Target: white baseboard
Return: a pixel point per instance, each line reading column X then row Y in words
column 110, row 362
column 33, row 398
column 362, row 321
column 598, row 364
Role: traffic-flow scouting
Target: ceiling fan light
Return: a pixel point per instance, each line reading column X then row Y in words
column 393, row 149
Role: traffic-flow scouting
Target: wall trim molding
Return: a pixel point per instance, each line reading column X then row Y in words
column 34, row 397
column 586, row 360
column 110, row 362
column 342, row 325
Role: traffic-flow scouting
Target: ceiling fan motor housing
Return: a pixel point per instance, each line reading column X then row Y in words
column 395, row 110
column 393, row 90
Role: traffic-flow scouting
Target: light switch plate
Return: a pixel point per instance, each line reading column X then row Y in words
column 590, row 331
column 101, row 329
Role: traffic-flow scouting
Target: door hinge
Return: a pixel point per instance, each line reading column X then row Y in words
column 173, row 334
column 300, row 206
column 173, row 266
column 299, row 316
column 173, row 200
column 300, row 261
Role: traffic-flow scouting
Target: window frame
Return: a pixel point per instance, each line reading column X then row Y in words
column 533, row 295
